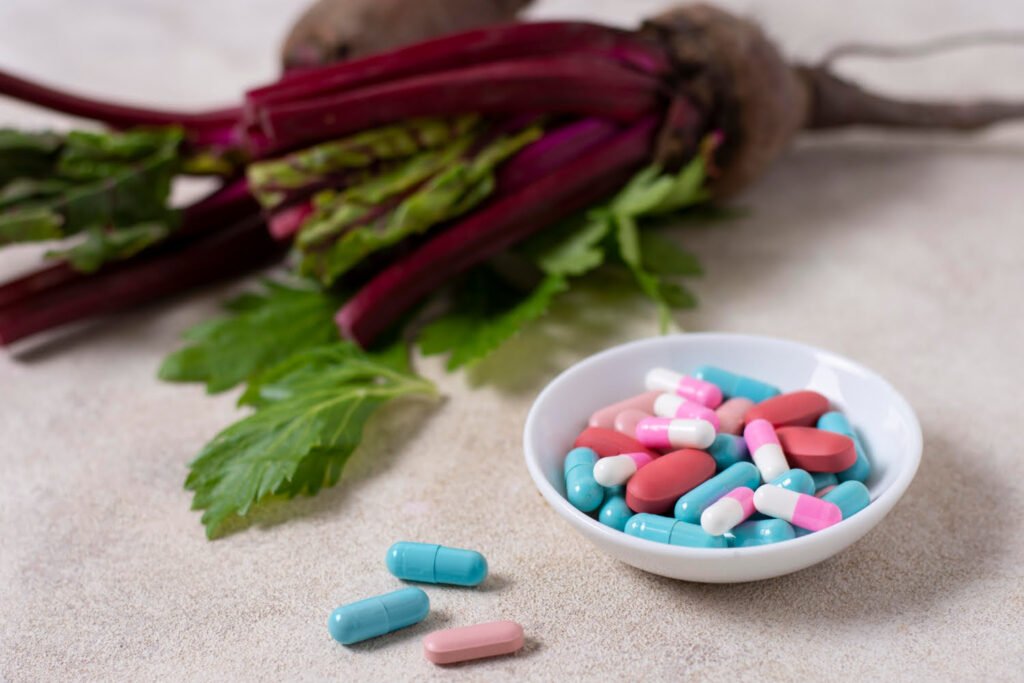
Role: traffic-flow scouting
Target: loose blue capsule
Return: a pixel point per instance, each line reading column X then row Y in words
column 581, row 488
column 727, row 450
column 378, row 615
column 823, row 479
column 850, row 496
column 432, row 563
column 733, row 385
column 668, row 530
column 836, row 422
column 615, row 513
column 693, row 503
column 795, row 480
column 761, row 532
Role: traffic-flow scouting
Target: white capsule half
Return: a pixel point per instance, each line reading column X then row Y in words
column 616, row 470
column 728, row 511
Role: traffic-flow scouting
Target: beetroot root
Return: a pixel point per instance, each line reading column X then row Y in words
column 332, row 30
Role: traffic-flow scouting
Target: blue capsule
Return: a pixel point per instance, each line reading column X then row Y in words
column 615, row 513
column 823, row 480
column 667, row 530
column 733, row 385
column 795, row 480
column 690, row 506
column 850, row 496
column 761, row 532
column 378, row 615
column 581, row 489
column 432, row 563
column 727, row 450
column 836, row 422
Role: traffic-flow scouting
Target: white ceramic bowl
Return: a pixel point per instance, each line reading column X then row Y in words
column 886, row 423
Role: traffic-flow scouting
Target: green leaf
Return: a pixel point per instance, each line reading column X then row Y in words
column 262, row 330
column 458, row 185
column 310, row 416
column 101, row 246
column 26, row 155
column 473, row 331
column 109, row 180
column 272, row 180
column 572, row 248
column 663, row 256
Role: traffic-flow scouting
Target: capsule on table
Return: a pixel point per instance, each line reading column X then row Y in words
column 761, row 532
column 731, row 415
column 861, row 468
column 432, row 563
column 733, row 385
column 727, row 450
column 454, row 645
column 850, row 497
column 605, row 417
column 372, row 617
column 626, row 421
column 671, row 531
column 671, row 405
column 666, row 433
column 615, row 512
column 692, row 504
column 806, row 512
column 617, row 469
column 665, row 380
column 823, row 480
column 728, row 511
column 581, row 489
column 795, row 480
column 764, row 449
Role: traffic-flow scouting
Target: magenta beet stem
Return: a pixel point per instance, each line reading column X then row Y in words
column 504, row 222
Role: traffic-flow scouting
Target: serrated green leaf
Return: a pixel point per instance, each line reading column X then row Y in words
column 470, row 335
column 263, row 330
column 310, row 418
column 572, row 248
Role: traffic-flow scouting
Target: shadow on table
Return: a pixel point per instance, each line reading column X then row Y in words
column 939, row 541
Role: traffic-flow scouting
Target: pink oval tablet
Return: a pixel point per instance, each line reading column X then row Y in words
column 797, row 408
column 816, row 450
column 626, row 421
column 658, row 486
column 607, row 442
column 473, row 642
column 731, row 414
column 605, row 417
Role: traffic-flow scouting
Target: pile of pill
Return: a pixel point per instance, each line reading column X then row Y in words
column 427, row 563
column 717, row 460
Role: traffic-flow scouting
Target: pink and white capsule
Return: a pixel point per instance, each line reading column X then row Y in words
column 666, row 433
column 731, row 509
column 617, row 469
column 663, row 379
column 765, row 450
column 672, row 405
column 799, row 509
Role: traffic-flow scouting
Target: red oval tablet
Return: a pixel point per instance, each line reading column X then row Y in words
column 797, row 408
column 816, row 450
column 656, row 487
column 606, row 442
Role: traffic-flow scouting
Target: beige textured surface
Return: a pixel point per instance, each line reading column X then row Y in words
column 902, row 253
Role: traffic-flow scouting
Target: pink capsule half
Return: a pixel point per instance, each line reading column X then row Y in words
column 673, row 405
column 605, row 417
column 799, row 509
column 765, row 450
column 668, row 434
column 665, row 380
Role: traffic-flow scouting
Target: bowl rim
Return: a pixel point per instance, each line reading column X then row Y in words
column 881, row 505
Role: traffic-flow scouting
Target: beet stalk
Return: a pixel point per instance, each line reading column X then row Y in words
column 493, row 229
